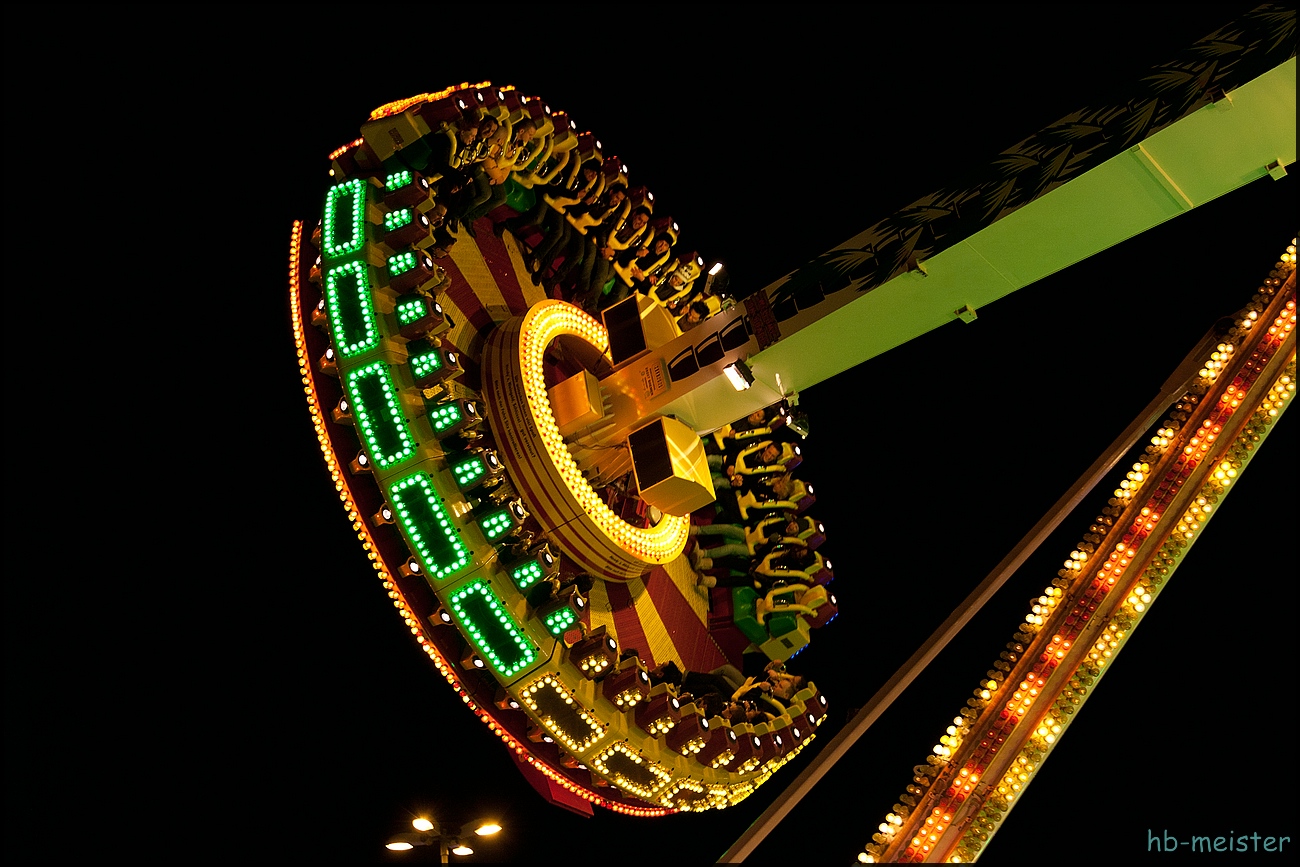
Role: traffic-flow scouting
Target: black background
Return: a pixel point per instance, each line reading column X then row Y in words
column 200, row 663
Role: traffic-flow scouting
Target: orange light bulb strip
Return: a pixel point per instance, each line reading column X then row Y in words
column 1138, row 591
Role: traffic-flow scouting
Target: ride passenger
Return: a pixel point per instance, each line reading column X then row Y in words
column 578, row 239
column 498, row 165
column 628, row 234
column 694, row 315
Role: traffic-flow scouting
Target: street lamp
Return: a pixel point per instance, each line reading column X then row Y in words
column 448, row 839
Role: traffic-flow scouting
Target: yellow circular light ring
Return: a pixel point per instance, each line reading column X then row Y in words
column 543, row 323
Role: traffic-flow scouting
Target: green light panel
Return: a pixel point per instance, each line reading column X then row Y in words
column 559, row 622
column 445, row 416
column 397, row 219
column 412, row 311
column 378, row 414
column 351, row 309
column 425, row 363
column 428, row 527
column 468, row 471
column 527, row 575
column 401, row 263
column 343, row 230
column 497, row 524
column 491, row 629
column 397, row 180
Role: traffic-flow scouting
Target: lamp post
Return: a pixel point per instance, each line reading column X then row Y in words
column 448, row 839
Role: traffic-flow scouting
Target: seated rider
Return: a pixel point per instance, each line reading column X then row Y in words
column 694, row 315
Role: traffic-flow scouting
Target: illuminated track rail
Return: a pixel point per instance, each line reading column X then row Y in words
column 408, row 444
column 994, row 746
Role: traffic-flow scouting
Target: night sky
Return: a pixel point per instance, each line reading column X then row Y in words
column 201, row 664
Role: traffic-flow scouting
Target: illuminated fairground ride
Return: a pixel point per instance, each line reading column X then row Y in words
column 489, row 443
column 493, row 446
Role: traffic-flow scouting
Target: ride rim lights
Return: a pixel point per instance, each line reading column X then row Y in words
column 491, row 629
column 379, row 415
column 428, row 527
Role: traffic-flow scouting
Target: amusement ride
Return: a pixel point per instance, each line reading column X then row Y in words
column 537, row 414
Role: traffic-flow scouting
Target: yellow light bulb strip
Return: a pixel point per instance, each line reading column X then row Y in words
column 542, row 324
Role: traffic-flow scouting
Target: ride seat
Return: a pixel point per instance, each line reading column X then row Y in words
column 439, row 112
column 587, row 149
column 513, row 102
column 790, row 634
column 540, row 114
column 743, row 614
column 615, row 171
column 486, row 98
column 641, row 195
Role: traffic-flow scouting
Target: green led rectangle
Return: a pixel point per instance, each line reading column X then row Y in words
column 378, row 413
column 428, row 526
column 468, row 470
column 412, row 311
column 351, row 309
column 491, row 629
column 527, row 575
column 497, row 524
column 559, row 622
column 445, row 416
column 343, row 228
column 401, row 263
column 397, row 180
column 424, row 363
column 397, row 219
